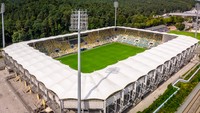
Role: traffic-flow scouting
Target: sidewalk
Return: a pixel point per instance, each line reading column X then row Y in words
column 160, row 90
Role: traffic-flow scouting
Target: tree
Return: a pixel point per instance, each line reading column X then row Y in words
column 30, row 19
column 180, row 26
column 16, row 37
column 178, row 19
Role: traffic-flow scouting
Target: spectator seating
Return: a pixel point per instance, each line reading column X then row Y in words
column 138, row 41
column 67, row 45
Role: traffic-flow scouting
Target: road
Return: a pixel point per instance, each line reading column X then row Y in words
column 192, row 102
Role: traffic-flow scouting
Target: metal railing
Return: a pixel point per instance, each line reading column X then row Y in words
column 179, row 80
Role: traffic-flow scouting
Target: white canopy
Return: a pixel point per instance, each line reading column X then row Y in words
column 100, row 84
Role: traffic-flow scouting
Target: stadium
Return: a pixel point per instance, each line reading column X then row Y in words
column 110, row 88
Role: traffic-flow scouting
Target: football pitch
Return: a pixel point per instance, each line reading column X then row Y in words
column 100, row 57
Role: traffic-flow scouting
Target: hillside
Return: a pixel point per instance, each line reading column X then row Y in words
column 30, row 19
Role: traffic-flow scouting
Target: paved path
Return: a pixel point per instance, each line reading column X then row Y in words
column 9, row 103
column 189, row 100
column 160, row 90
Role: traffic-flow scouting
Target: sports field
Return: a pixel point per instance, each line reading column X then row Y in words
column 185, row 33
column 100, row 57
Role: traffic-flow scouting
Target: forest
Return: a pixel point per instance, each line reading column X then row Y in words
column 33, row 19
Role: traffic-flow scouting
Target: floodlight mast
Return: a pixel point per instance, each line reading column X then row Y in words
column 197, row 7
column 79, row 21
column 116, row 5
column 197, row 18
column 2, row 11
column 79, row 64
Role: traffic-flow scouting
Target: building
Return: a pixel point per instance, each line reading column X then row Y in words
column 110, row 90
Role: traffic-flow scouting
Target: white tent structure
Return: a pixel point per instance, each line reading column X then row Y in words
column 110, row 90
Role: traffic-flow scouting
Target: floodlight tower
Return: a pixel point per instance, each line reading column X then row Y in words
column 116, row 5
column 197, row 6
column 79, row 22
column 2, row 11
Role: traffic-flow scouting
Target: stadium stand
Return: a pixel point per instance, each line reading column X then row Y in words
column 140, row 38
column 110, row 90
column 56, row 47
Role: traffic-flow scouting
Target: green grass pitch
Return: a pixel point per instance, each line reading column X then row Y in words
column 100, row 57
column 185, row 33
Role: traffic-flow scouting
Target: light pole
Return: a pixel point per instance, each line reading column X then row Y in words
column 2, row 11
column 79, row 64
column 197, row 18
column 79, row 22
column 116, row 4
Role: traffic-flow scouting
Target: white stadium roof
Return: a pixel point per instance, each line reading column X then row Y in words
column 100, row 84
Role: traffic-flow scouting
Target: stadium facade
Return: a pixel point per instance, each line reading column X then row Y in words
column 109, row 90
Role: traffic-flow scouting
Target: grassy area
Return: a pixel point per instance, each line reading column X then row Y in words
column 170, row 90
column 190, row 74
column 100, row 57
column 185, row 33
column 185, row 89
column 174, row 103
